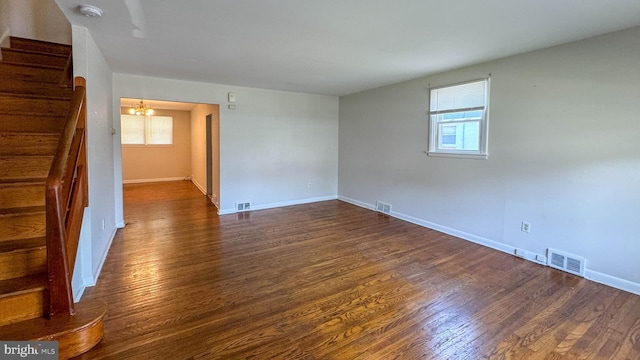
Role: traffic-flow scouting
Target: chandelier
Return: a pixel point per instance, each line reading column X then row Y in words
column 141, row 109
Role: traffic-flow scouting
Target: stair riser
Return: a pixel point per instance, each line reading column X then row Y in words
column 42, row 46
column 19, row 195
column 31, row 123
column 29, row 73
column 18, row 105
column 22, row 226
column 17, row 56
column 24, row 167
column 25, row 306
column 34, row 88
column 23, row 263
column 28, row 144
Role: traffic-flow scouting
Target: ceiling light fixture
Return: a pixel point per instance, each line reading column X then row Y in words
column 141, row 109
column 90, row 11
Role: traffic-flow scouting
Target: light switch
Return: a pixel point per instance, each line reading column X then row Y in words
column 232, row 97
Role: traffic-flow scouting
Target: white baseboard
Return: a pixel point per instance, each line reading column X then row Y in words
column 141, row 181
column 357, row 203
column 77, row 293
column 612, row 281
column 601, row 278
column 281, row 204
column 202, row 189
column 453, row 232
column 215, row 202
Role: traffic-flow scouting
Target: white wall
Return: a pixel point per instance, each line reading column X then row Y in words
column 277, row 148
column 96, row 238
column 564, row 155
column 33, row 19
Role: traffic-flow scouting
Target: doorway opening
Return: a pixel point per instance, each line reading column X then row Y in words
column 179, row 141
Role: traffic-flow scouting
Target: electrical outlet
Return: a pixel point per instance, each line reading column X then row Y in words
column 525, row 227
column 521, row 253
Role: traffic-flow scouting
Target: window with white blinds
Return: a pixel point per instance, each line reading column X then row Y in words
column 146, row 130
column 458, row 119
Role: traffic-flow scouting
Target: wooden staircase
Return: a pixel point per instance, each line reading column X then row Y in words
column 35, row 264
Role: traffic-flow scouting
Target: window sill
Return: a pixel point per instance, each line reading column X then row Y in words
column 147, row 146
column 458, row 155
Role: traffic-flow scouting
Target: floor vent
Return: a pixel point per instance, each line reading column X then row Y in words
column 383, row 207
column 243, row 206
column 566, row 262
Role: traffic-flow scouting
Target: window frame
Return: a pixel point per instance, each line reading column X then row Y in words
column 483, row 132
column 146, row 131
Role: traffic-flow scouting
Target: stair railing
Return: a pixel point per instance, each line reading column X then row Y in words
column 66, row 198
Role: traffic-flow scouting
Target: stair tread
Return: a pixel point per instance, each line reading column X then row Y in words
column 53, row 67
column 23, row 156
column 24, row 284
column 17, row 86
column 49, row 123
column 36, row 66
column 22, row 244
column 44, row 46
column 22, row 181
column 64, row 97
column 15, row 180
column 26, row 133
column 34, row 73
column 14, row 143
column 24, row 56
column 87, row 314
column 27, row 51
column 16, row 167
column 22, row 210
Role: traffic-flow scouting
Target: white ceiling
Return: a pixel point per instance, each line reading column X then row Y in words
column 333, row 47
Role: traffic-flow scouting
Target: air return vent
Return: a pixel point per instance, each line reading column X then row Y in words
column 243, row 206
column 566, row 262
column 383, row 207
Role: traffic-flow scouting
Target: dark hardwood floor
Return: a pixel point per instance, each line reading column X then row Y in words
column 330, row 280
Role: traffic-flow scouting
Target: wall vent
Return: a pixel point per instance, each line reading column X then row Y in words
column 243, row 206
column 566, row 262
column 383, row 207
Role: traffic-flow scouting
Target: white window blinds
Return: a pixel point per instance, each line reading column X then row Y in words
column 146, row 130
column 463, row 97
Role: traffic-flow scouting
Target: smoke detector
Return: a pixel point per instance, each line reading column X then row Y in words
column 90, row 11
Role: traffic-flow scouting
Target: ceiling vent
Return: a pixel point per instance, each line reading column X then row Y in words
column 566, row 262
column 383, row 207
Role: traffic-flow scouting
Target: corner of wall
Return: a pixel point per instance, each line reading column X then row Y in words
column 92, row 279
column 4, row 38
column 200, row 187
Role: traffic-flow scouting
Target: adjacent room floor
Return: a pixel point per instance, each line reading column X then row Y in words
column 330, row 280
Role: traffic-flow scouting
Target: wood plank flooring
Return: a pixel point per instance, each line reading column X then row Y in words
column 330, row 280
